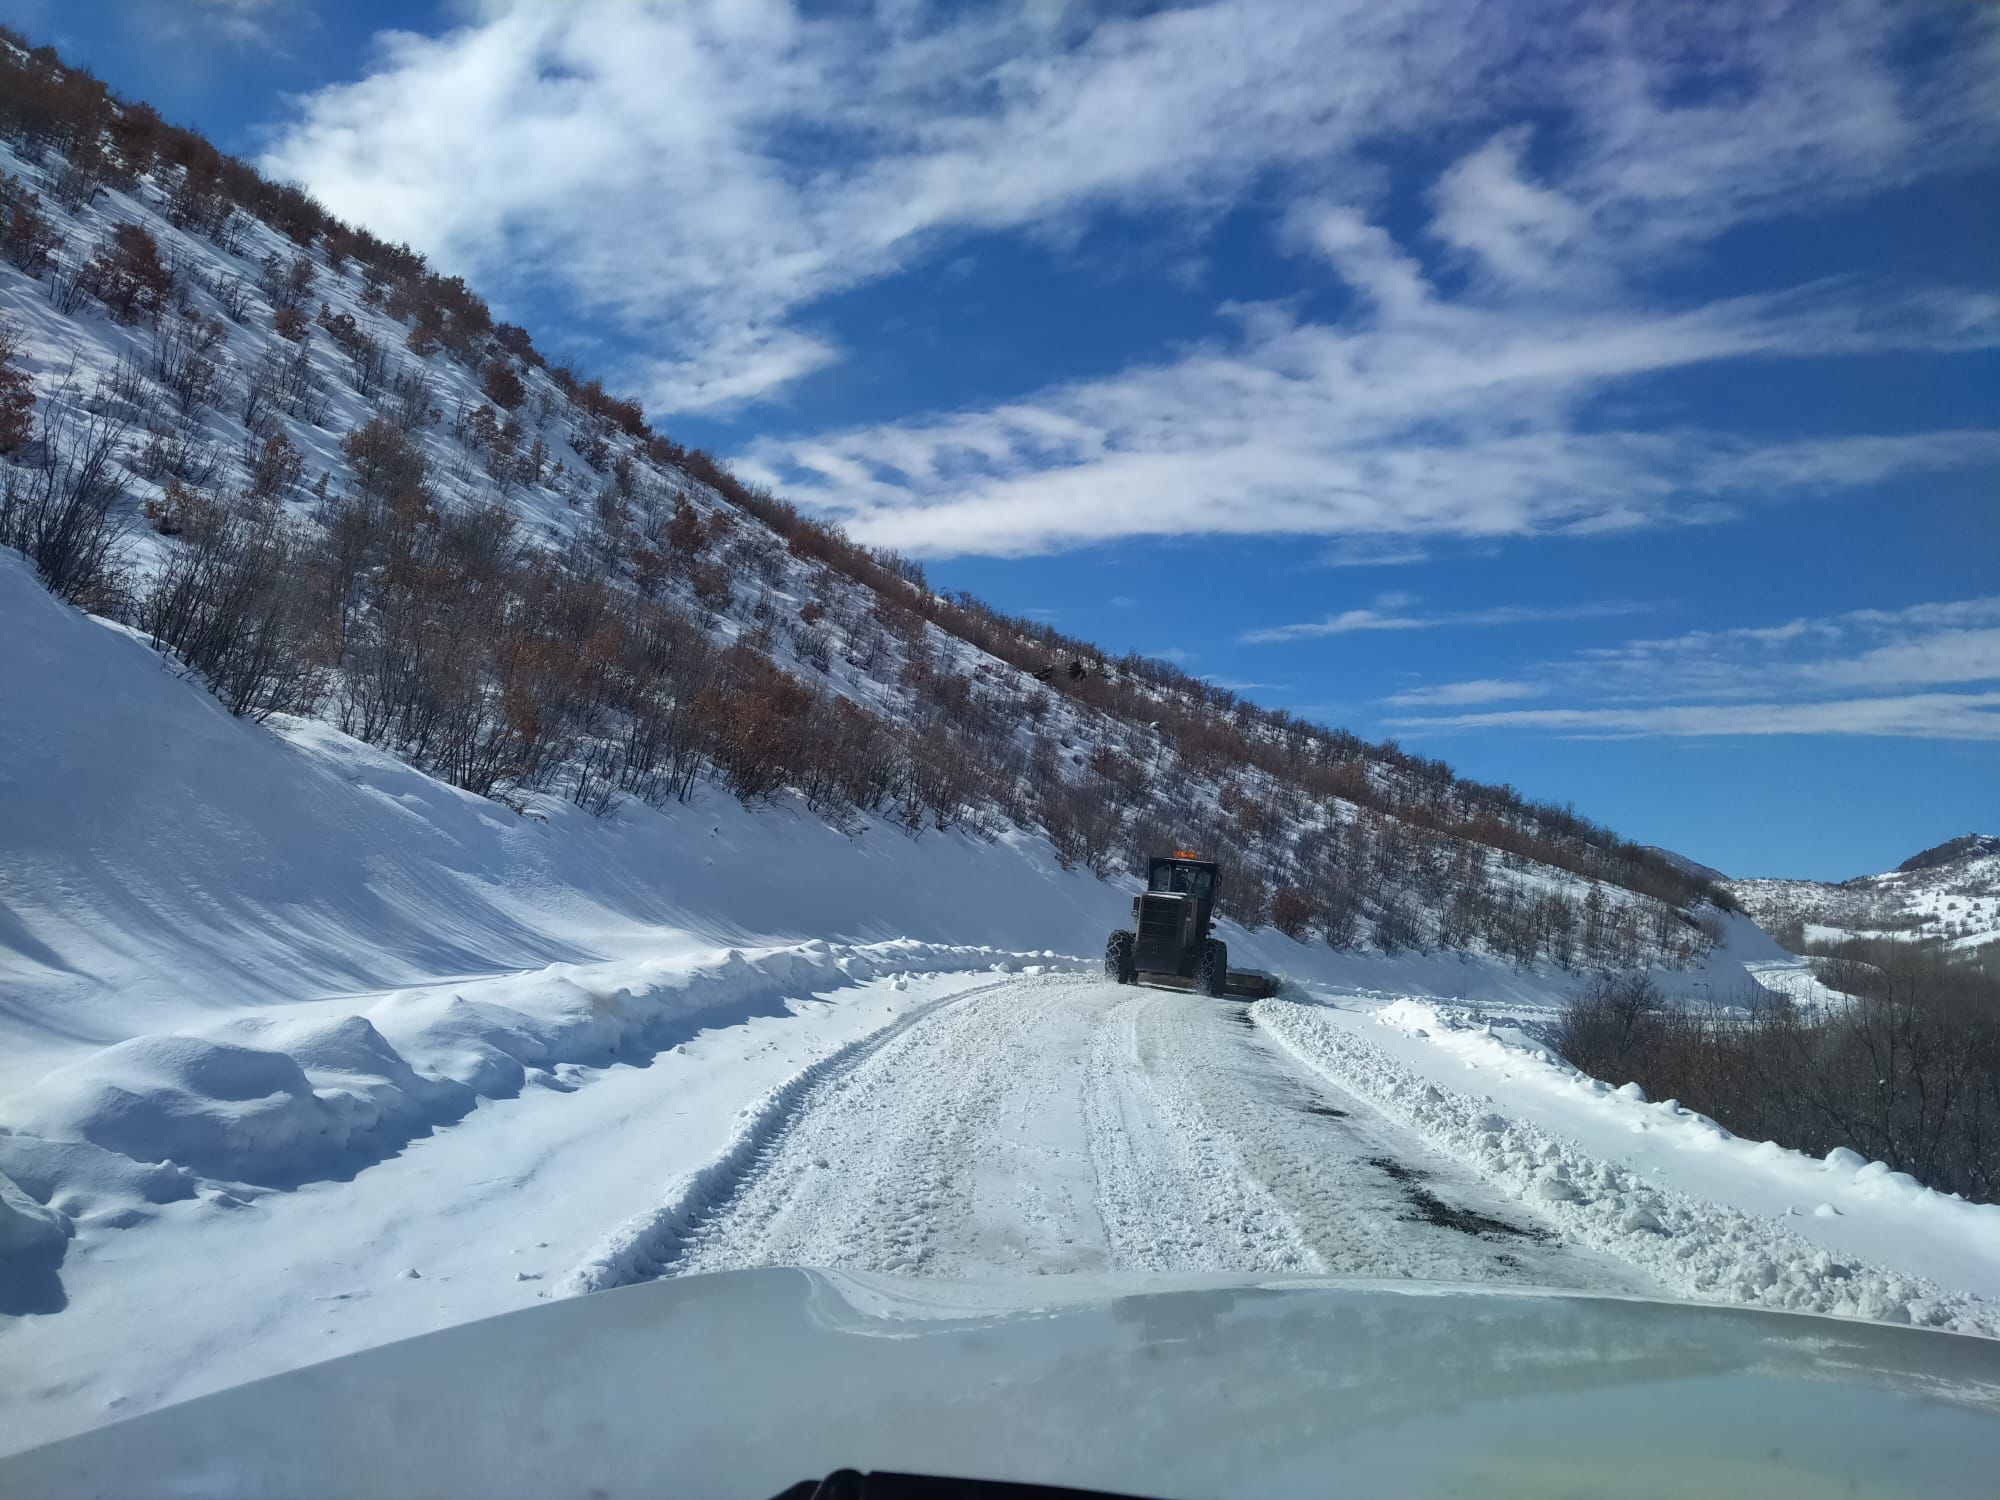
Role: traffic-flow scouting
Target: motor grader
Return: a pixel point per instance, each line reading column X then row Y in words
column 1171, row 941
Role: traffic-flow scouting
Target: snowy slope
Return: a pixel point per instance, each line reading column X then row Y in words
column 172, row 870
column 1050, row 756
column 1949, row 894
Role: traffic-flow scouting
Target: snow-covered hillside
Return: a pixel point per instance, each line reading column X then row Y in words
column 352, row 495
column 1950, row 894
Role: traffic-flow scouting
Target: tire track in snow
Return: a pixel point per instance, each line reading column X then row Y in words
column 1061, row 1124
column 955, row 1148
column 1175, row 1195
column 652, row 1245
column 1305, row 1176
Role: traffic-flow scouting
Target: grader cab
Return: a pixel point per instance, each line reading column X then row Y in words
column 1171, row 942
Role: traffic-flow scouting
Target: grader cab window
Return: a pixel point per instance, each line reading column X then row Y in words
column 1183, row 879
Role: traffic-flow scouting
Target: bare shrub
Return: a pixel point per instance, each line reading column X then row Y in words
column 69, row 285
column 387, row 462
column 275, row 468
column 27, row 239
column 1291, row 911
column 298, row 387
column 286, row 282
column 82, row 175
column 232, row 293
column 225, row 606
column 184, row 350
column 1398, row 925
column 410, row 405
column 711, row 585
column 125, row 273
column 1605, row 1029
column 198, row 202
column 17, row 395
column 1906, row 1072
column 502, row 385
column 176, row 453
column 262, row 399
column 63, row 505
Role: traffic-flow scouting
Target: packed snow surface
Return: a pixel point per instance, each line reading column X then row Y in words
column 1065, row 1124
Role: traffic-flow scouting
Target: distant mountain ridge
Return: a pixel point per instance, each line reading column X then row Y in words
column 1966, row 846
column 1685, row 865
column 1948, row 893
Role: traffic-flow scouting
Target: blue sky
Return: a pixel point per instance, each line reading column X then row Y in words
column 1606, row 398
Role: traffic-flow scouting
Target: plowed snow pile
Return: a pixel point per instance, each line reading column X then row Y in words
column 1679, row 1225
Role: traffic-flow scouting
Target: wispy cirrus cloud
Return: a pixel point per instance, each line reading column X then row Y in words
column 711, row 168
column 1931, row 716
column 1474, row 690
column 1388, row 617
column 1901, row 672
column 1461, row 420
column 702, row 174
column 1920, row 645
column 1373, row 552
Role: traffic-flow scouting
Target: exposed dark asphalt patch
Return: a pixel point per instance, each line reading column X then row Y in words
column 1427, row 1207
column 1326, row 1110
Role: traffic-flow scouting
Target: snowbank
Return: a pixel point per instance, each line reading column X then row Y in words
column 276, row 1101
column 1667, row 1209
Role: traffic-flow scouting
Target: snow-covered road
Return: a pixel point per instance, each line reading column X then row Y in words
column 982, row 1116
column 1055, row 1123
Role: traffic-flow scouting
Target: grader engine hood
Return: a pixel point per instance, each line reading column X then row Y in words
column 1163, row 920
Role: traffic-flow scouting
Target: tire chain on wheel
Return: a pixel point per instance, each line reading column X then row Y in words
column 1120, row 963
column 1212, row 973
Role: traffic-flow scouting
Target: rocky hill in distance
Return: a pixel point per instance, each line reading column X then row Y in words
column 1949, row 894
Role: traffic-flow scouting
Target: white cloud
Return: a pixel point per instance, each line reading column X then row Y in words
column 1364, row 255
column 1804, row 676
column 1519, row 231
column 711, row 167
column 1454, row 419
column 1351, row 621
column 1920, row 645
column 1476, row 690
column 1945, row 656
column 1946, row 716
column 700, row 173
column 1372, row 552
column 264, row 24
